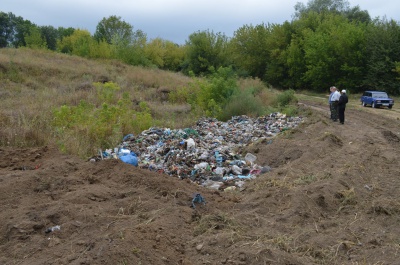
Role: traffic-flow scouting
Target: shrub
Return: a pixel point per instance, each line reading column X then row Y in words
column 285, row 98
column 107, row 92
column 290, row 110
column 244, row 103
column 212, row 95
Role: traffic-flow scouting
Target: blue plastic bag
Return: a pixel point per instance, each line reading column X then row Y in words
column 130, row 159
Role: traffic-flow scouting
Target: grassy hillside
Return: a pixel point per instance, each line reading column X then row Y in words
column 82, row 105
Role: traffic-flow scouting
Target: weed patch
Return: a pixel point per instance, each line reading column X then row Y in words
column 304, row 180
column 100, row 126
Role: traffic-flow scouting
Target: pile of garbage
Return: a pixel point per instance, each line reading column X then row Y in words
column 206, row 153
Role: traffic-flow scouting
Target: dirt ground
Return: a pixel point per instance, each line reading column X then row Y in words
column 332, row 197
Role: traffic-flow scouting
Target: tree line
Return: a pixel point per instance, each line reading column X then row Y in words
column 327, row 42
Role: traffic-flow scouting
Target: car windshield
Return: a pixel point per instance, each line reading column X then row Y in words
column 380, row 95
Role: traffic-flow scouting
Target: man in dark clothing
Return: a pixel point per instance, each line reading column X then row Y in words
column 342, row 105
column 330, row 101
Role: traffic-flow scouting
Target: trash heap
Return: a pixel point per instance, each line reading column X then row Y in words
column 206, row 153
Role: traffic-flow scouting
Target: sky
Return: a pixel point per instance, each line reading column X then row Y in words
column 173, row 20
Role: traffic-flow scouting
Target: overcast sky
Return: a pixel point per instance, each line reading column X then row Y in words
column 173, row 20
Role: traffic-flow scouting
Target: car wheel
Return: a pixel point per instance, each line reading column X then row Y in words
column 390, row 106
column 373, row 105
column 363, row 104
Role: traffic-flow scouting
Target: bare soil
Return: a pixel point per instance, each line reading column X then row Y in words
column 332, row 197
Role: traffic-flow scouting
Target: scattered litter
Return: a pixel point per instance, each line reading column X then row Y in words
column 52, row 229
column 230, row 188
column 367, row 187
column 28, row 167
column 198, row 199
column 207, row 153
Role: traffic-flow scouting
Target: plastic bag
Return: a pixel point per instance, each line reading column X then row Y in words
column 129, row 159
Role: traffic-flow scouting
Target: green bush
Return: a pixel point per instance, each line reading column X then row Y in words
column 244, row 103
column 211, row 95
column 107, row 92
column 290, row 110
column 285, row 98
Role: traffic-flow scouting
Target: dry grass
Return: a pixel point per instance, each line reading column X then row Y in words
column 212, row 222
column 331, row 138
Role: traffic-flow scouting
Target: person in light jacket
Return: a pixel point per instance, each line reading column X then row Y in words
column 333, row 103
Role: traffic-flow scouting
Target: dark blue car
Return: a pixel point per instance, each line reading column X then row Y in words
column 376, row 99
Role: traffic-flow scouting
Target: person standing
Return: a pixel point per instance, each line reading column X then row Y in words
column 330, row 101
column 343, row 99
column 334, row 99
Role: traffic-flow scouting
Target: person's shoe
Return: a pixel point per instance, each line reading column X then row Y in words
column 342, row 123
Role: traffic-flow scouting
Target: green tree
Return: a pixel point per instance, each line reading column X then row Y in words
column 79, row 43
column 321, row 6
column 277, row 72
column 250, row 51
column 155, row 52
column 332, row 6
column 174, row 56
column 397, row 71
column 383, row 53
column 22, row 28
column 64, row 32
column 295, row 54
column 113, row 27
column 51, row 35
column 34, row 39
column 6, row 29
column 164, row 54
column 334, row 53
column 358, row 15
column 296, row 63
column 131, row 52
column 13, row 30
column 205, row 51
